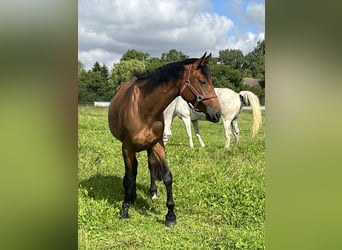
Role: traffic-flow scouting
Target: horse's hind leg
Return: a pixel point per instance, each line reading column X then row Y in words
column 168, row 119
column 236, row 131
column 159, row 170
column 129, row 180
column 196, row 128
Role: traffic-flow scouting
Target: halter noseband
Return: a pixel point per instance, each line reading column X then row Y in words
column 199, row 97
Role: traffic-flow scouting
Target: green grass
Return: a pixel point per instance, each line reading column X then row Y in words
column 219, row 193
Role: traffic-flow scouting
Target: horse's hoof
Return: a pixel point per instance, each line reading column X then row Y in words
column 124, row 217
column 170, row 223
column 154, row 196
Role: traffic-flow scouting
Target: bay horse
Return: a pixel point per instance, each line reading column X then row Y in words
column 231, row 105
column 135, row 117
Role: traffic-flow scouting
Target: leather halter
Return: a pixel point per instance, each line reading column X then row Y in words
column 199, row 97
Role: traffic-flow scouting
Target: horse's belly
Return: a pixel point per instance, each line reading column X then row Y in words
column 136, row 134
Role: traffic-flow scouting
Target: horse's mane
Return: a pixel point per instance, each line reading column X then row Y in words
column 164, row 73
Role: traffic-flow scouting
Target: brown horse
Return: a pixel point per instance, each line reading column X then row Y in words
column 136, row 119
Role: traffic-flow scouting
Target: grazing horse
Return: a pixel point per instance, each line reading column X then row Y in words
column 135, row 118
column 231, row 104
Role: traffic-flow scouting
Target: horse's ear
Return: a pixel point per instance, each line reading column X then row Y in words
column 206, row 60
column 203, row 60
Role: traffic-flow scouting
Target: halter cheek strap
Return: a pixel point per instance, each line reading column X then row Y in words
column 199, row 97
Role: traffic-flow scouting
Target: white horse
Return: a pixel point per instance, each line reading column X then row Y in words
column 231, row 104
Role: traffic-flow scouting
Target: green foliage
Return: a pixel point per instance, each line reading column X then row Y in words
column 172, row 56
column 255, row 61
column 225, row 77
column 219, row 193
column 135, row 54
column 232, row 57
column 153, row 63
column 124, row 70
column 80, row 68
column 93, row 85
column 96, row 67
column 228, row 69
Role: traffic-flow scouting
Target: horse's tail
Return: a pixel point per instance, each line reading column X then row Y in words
column 249, row 97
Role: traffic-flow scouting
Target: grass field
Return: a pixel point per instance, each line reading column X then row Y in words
column 219, row 193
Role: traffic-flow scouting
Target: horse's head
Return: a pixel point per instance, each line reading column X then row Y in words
column 198, row 88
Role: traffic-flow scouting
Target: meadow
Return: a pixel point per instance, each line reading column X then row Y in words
column 219, row 193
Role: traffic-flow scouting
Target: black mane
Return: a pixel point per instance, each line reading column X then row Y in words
column 165, row 73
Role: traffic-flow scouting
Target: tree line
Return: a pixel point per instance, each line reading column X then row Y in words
column 227, row 70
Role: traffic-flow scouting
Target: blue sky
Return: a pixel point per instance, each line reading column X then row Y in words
column 236, row 10
column 108, row 28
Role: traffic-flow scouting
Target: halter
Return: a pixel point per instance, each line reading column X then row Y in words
column 199, row 97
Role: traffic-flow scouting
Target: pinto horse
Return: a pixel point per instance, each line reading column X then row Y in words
column 135, row 118
column 231, row 105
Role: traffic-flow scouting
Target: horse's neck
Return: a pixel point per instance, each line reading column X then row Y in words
column 161, row 97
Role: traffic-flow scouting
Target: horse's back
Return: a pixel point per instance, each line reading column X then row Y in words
column 230, row 102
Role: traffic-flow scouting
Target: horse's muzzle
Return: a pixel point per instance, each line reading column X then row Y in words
column 214, row 117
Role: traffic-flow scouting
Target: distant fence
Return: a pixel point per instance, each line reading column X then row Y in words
column 101, row 104
column 250, row 108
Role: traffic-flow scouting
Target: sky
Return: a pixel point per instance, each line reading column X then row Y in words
column 108, row 28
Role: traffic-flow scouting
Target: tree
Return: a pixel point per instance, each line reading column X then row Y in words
column 80, row 68
column 172, row 56
column 94, row 86
column 232, row 57
column 124, row 70
column 153, row 63
column 104, row 72
column 96, row 67
column 135, row 54
column 255, row 61
column 224, row 76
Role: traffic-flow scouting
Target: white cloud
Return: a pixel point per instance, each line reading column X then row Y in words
column 89, row 57
column 245, row 42
column 256, row 14
column 108, row 28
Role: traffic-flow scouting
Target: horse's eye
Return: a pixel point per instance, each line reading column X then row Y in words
column 202, row 81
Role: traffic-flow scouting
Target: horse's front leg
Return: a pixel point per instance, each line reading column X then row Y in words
column 151, row 166
column 129, row 180
column 236, row 131
column 160, row 171
column 187, row 124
